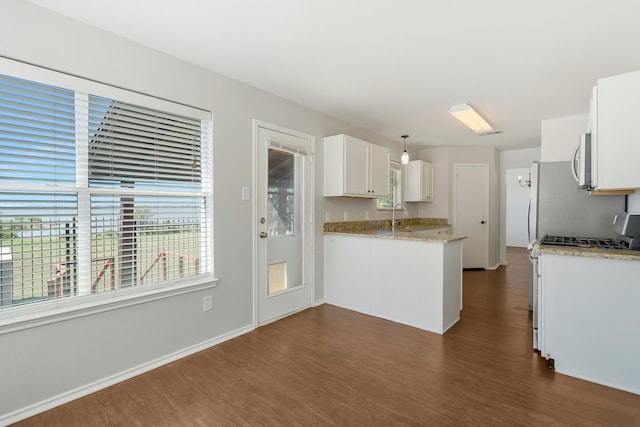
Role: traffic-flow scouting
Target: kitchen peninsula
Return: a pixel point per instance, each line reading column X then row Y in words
column 411, row 275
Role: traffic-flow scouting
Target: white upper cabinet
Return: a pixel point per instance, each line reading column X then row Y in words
column 615, row 132
column 355, row 168
column 418, row 182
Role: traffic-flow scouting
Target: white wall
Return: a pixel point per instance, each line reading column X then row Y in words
column 559, row 136
column 54, row 363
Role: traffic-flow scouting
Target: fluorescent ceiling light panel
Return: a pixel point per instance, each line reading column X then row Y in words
column 470, row 118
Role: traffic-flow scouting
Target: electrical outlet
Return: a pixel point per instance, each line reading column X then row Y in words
column 327, row 216
column 366, row 215
column 346, row 216
column 208, row 303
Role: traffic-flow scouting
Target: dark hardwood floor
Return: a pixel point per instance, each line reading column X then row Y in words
column 329, row 366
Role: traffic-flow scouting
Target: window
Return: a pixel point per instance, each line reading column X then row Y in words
column 99, row 192
column 281, row 195
column 395, row 188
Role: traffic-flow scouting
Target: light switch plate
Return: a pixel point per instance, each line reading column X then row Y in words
column 245, row 193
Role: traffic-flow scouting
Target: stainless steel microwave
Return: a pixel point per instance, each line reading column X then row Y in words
column 581, row 161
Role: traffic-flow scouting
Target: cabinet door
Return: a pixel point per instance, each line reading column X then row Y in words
column 347, row 272
column 413, row 181
column 419, row 181
column 356, row 167
column 426, row 191
column 618, row 141
column 379, row 171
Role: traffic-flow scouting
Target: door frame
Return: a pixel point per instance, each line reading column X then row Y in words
column 454, row 209
column 309, row 216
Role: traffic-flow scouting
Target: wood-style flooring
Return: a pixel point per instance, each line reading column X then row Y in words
column 329, row 366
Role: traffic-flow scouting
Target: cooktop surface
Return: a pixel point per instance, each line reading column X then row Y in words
column 585, row 242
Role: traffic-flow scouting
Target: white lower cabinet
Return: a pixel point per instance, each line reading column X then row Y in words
column 347, row 272
column 589, row 318
column 411, row 282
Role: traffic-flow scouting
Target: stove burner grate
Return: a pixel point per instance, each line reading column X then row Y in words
column 586, row 242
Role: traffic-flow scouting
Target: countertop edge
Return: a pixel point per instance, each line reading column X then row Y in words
column 619, row 254
column 400, row 235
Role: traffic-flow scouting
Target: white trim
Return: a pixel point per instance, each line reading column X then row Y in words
column 309, row 217
column 85, row 303
column 283, row 315
column 58, row 310
column 254, row 223
column 286, row 291
column 87, row 389
column 493, row 267
column 23, row 70
column 598, row 381
column 319, row 302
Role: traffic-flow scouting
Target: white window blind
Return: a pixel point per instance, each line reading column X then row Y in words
column 37, row 209
column 37, row 133
column 134, row 146
column 98, row 194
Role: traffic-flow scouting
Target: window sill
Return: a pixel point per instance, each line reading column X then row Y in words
column 41, row 314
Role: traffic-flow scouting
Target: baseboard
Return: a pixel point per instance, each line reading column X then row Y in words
column 66, row 397
column 598, row 381
column 493, row 267
column 316, row 303
column 450, row 326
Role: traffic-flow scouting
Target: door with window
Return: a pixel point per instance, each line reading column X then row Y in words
column 284, row 222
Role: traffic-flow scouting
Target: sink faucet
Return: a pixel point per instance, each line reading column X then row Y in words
column 393, row 215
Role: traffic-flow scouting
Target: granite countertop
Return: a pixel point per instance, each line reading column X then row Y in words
column 416, row 229
column 620, row 254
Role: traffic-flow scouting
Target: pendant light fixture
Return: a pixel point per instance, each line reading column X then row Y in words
column 404, row 159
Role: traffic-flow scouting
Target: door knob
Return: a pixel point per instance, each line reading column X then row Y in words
column 263, row 235
column 483, row 222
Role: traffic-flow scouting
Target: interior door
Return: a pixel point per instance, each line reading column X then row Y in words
column 471, row 213
column 284, row 223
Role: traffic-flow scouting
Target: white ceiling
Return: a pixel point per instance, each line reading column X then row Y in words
column 395, row 67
